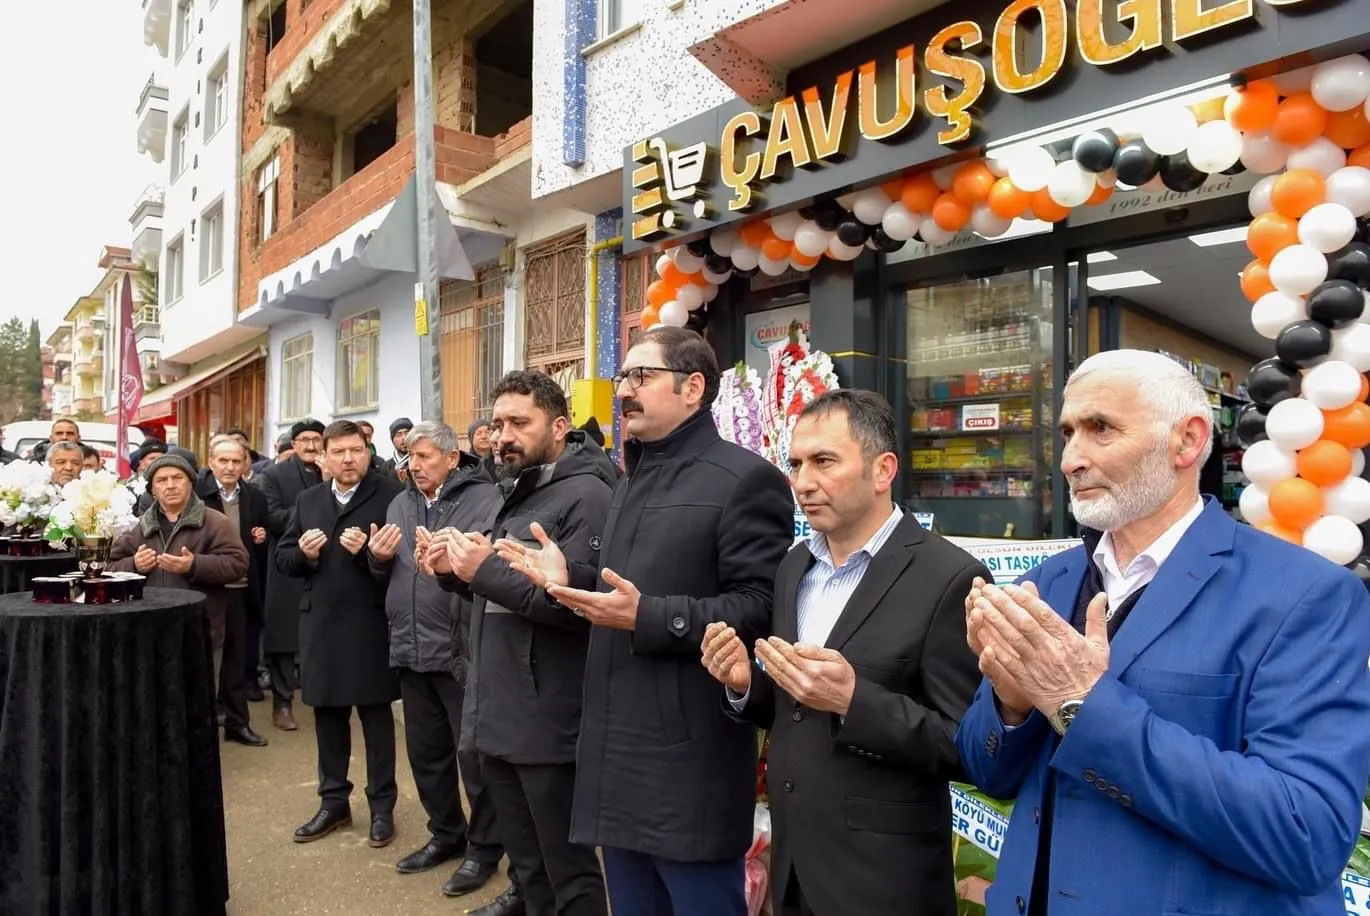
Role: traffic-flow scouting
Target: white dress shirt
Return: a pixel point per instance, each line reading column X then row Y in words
column 343, row 496
column 1119, row 584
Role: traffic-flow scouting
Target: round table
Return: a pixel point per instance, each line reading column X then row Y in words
column 15, row 572
column 111, row 792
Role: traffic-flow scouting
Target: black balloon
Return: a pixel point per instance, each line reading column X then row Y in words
column 806, row 212
column 1178, row 175
column 1363, row 229
column 744, row 274
column 698, row 320
column 852, row 231
column 699, row 247
column 1304, row 344
column 1250, row 425
column 1351, row 263
column 1271, row 381
column 1136, row 164
column 717, row 264
column 883, row 242
column 1235, row 168
column 1361, row 567
column 1336, row 303
column 1094, row 150
column 828, row 214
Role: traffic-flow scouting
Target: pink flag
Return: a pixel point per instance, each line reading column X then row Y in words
column 130, row 377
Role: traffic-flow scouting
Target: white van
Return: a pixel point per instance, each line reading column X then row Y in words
column 20, row 437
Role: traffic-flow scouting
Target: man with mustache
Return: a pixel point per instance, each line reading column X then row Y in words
column 1182, row 704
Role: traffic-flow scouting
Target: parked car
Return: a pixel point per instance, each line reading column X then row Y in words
column 21, row 437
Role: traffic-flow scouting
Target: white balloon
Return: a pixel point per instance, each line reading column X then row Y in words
column 1258, row 198
column 846, row 201
column 674, row 314
column 711, row 292
column 946, row 175
column 1335, row 538
column 662, row 263
column 997, row 166
column 935, row 236
column 1275, row 311
column 1331, row 385
column 1365, row 312
column 900, row 223
column 870, row 206
column 1169, row 130
column 1300, row 80
column 745, row 257
column 1350, row 499
column 785, row 225
column 987, row 223
column 1070, row 185
column 1030, row 169
column 1296, row 270
column 1350, row 187
column 1327, row 227
column 810, row 241
column 688, row 262
column 1215, row 147
column 1321, row 156
column 716, row 278
column 1357, row 462
column 690, row 296
column 1254, row 504
column 1351, row 344
column 1266, row 464
column 840, row 251
column 1293, row 423
column 1263, row 154
column 1341, row 84
column 771, row 267
column 723, row 241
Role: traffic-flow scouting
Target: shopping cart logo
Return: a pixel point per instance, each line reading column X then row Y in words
column 664, row 179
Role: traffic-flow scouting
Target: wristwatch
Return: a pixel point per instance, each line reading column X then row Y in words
column 1062, row 717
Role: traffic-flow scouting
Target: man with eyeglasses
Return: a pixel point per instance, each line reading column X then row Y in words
column 665, row 780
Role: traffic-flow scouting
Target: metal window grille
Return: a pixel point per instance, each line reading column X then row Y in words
column 554, row 328
column 471, row 341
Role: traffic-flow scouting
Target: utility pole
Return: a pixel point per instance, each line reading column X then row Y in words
column 426, row 306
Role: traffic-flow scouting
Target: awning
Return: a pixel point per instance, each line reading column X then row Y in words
column 158, row 404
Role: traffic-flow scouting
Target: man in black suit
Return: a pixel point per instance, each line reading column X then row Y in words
column 282, row 484
column 344, row 632
column 865, row 680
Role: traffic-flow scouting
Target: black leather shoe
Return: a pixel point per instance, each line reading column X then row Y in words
column 382, row 831
column 244, row 735
column 471, row 876
column 254, row 693
column 509, row 903
column 323, row 823
column 430, row 856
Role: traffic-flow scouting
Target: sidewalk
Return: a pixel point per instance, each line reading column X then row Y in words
column 270, row 791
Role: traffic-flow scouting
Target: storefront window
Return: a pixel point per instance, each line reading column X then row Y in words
column 980, row 405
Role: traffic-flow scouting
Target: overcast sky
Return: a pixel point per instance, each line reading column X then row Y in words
column 72, row 73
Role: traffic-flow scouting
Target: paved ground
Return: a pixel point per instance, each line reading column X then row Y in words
column 270, row 791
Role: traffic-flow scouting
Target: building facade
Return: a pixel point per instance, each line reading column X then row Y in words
column 60, row 392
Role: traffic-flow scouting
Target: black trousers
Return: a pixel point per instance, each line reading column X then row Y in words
column 281, row 667
column 232, row 687
column 533, row 807
column 252, row 657
column 333, row 732
column 432, row 732
column 794, row 903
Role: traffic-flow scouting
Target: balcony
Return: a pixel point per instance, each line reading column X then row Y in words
column 85, row 367
column 146, row 324
column 147, row 227
column 90, row 405
column 157, row 25
column 85, row 330
column 152, row 116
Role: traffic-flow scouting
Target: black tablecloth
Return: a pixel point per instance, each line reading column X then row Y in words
column 110, row 794
column 15, row 572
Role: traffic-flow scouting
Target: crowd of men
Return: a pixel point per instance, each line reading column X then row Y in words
column 1179, row 707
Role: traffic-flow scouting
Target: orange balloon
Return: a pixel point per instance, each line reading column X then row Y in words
column 1256, row 281
column 1296, row 503
column 894, row 188
column 1007, row 200
column 660, row 292
column 920, row 193
column 1252, row 109
column 1209, row 110
column 1099, row 195
column 698, row 279
column 1295, row 193
column 1271, row 233
column 776, row 249
column 649, row 316
column 1348, row 129
column 1299, row 121
column 1292, row 535
column 1325, row 463
column 1364, row 388
column 755, row 233
column 1350, row 425
column 673, row 276
column 1046, row 209
column 1360, row 156
column 802, row 260
column 950, row 213
column 972, row 183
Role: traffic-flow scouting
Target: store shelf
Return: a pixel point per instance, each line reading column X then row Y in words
column 989, row 472
column 976, row 398
column 961, row 433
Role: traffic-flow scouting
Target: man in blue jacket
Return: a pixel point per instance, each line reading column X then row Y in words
column 1181, row 707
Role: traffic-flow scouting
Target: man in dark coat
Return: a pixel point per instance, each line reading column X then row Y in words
column 222, row 488
column 529, row 652
column 447, row 489
column 399, row 433
column 665, row 779
column 282, row 484
column 344, row 635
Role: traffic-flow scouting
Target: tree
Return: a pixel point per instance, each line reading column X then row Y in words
column 33, row 372
column 13, row 369
column 147, row 284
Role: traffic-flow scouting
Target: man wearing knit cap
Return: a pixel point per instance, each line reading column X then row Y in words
column 399, row 432
column 478, row 439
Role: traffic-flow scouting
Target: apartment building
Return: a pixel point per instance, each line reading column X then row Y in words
column 189, row 121
column 60, row 393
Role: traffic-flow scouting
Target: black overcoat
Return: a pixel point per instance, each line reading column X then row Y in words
column 282, row 484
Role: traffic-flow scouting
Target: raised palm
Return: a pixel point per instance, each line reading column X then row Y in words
column 544, row 565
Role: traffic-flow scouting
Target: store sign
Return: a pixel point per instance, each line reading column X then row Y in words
column 1007, row 560
column 769, row 329
column 1140, row 201
column 962, row 73
column 978, row 418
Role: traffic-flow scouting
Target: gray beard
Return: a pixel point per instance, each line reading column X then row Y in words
column 1148, row 489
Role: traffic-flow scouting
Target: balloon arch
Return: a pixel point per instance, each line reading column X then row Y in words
column 1307, row 131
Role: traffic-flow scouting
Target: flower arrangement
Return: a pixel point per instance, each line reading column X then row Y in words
column 797, row 377
column 94, row 505
column 737, row 409
column 27, row 495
